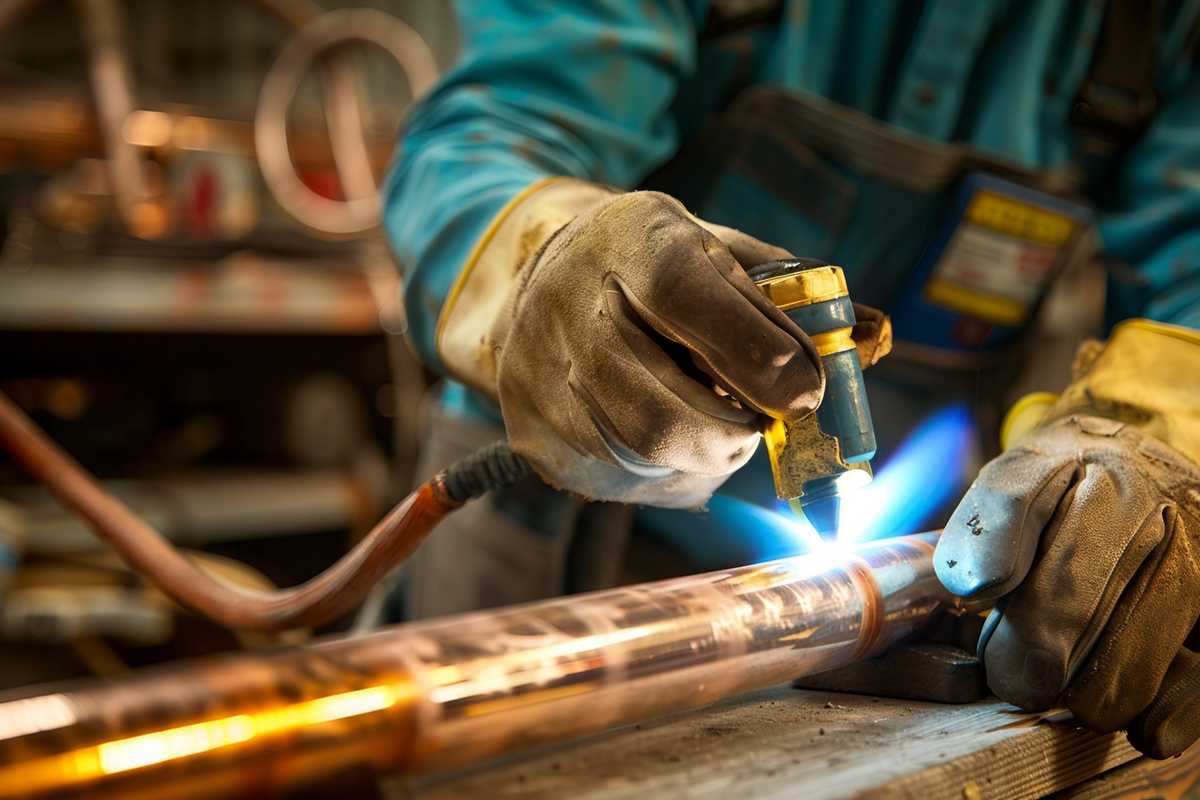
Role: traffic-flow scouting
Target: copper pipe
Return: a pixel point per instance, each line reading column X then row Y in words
column 453, row 691
column 327, row 596
column 112, row 89
column 362, row 207
column 339, row 85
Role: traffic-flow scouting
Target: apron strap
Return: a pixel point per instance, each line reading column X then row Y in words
column 726, row 17
column 1117, row 98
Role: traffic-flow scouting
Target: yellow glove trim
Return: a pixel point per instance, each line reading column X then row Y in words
column 1147, row 376
column 471, row 326
column 1189, row 335
column 477, row 251
column 1025, row 415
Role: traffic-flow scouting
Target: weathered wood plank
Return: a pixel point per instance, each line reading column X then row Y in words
column 1173, row 779
column 1044, row 759
column 787, row 743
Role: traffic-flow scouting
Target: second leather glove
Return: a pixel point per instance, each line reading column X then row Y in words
column 1086, row 532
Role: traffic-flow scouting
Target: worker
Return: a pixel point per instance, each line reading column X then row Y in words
column 576, row 204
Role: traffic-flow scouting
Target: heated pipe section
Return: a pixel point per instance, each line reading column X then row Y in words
column 456, row 690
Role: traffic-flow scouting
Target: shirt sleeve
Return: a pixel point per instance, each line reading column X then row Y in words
column 1152, row 228
column 541, row 89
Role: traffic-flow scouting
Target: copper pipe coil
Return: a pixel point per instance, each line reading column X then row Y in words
column 317, row 32
column 316, row 36
column 110, row 73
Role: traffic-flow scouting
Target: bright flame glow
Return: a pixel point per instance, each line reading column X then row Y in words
column 186, row 740
column 22, row 717
column 852, row 480
column 764, row 535
column 930, row 467
column 776, row 534
column 69, row 769
column 927, row 470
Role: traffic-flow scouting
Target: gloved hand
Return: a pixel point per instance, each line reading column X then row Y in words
column 602, row 321
column 1087, row 533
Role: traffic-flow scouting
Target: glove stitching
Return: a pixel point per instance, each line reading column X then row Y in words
column 721, row 377
column 1162, row 707
column 755, row 297
column 605, row 429
column 1053, row 529
column 1053, row 525
column 528, row 272
column 609, row 434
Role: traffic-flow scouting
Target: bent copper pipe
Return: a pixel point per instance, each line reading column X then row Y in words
column 112, row 88
column 453, row 691
column 339, row 85
column 335, row 591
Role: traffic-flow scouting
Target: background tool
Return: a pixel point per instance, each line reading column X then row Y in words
column 818, row 458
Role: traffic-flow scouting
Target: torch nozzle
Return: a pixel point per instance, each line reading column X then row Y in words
column 821, row 505
column 822, row 514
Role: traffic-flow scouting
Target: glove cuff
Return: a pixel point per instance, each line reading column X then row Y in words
column 1025, row 415
column 1147, row 376
column 482, row 288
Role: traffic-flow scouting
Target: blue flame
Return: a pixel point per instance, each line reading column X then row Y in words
column 761, row 534
column 927, row 470
column 930, row 467
column 773, row 534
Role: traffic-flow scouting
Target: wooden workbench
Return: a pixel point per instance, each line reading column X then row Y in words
column 786, row 743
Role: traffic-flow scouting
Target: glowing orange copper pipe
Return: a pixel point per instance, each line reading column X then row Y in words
column 452, row 691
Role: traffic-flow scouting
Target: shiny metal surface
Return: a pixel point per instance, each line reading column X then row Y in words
column 456, row 690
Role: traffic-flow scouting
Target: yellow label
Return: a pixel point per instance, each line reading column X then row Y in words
column 1020, row 219
column 998, row 310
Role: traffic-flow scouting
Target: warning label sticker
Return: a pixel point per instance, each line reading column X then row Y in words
column 1000, row 259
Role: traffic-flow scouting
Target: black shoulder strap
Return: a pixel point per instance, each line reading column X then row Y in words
column 734, row 16
column 1191, row 45
column 1117, row 98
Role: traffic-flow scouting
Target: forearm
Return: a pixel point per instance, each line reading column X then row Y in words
column 437, row 206
column 587, row 95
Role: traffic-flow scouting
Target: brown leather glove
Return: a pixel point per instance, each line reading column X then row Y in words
column 611, row 336
column 1087, row 532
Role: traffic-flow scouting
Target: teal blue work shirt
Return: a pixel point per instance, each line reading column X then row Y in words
column 610, row 90
column 607, row 90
